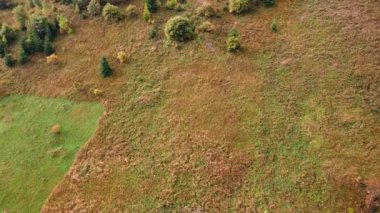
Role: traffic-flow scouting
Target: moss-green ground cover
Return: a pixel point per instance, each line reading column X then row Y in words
column 32, row 158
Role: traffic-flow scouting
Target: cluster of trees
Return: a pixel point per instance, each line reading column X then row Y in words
column 35, row 33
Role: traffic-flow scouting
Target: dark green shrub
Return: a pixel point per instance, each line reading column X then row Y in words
column 4, row 4
column 7, row 34
column 8, row 60
column 3, row 47
column 20, row 15
column 23, row 57
column 34, row 43
column 239, row 6
column 112, row 13
column 233, row 41
column 48, row 48
column 268, row 3
column 105, row 69
column 179, row 28
column 38, row 24
column 151, row 5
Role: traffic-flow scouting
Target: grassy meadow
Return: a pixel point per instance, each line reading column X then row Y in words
column 32, row 158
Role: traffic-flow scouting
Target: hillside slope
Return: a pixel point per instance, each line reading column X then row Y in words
column 289, row 124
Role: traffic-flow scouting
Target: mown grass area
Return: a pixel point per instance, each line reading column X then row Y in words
column 32, row 158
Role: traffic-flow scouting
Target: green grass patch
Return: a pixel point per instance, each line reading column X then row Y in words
column 32, row 158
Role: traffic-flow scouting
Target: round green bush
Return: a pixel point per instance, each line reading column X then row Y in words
column 179, row 28
column 112, row 13
column 239, row 6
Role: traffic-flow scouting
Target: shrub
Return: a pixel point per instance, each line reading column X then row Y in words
column 4, row 4
column 268, row 3
column 64, row 25
column 122, row 57
column 105, row 69
column 152, row 33
column 8, row 60
column 94, row 7
column 111, row 13
column 48, row 48
column 171, row 4
column 7, row 34
column 131, row 11
column 20, row 15
column 146, row 14
column 206, row 27
column 151, row 5
column 233, row 41
column 34, row 43
column 82, row 4
column 274, row 26
column 52, row 59
column 3, row 48
column 179, row 28
column 239, row 6
column 39, row 24
column 23, row 57
column 97, row 92
column 206, row 11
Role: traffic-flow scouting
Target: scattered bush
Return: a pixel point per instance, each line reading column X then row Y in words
column 206, row 11
column 21, row 16
column 233, row 41
column 152, row 33
column 7, row 34
column 64, row 25
column 131, row 11
column 97, row 92
column 111, row 13
column 171, row 4
column 179, row 28
column 239, row 6
column 52, row 59
column 105, row 69
column 274, row 26
column 268, row 3
column 146, row 14
column 94, row 8
column 151, row 5
column 8, row 60
column 122, row 57
column 206, row 27
column 34, row 43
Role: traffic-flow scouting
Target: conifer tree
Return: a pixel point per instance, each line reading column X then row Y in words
column 105, row 69
column 23, row 57
column 48, row 48
column 21, row 16
column 8, row 60
column 151, row 5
